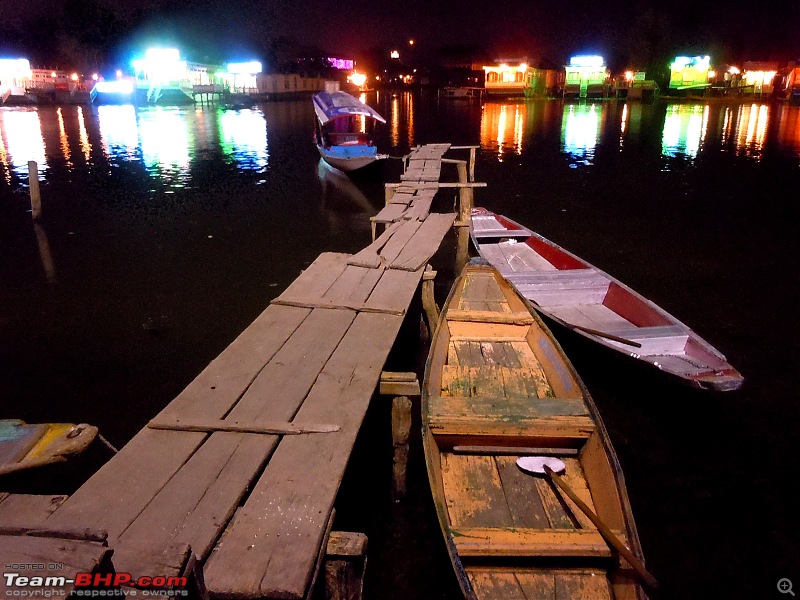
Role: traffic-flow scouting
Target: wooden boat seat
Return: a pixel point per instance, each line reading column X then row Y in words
column 501, row 542
column 493, row 583
column 661, row 339
column 507, row 417
column 557, row 288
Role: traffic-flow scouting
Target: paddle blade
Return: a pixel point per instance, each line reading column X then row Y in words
column 535, row 464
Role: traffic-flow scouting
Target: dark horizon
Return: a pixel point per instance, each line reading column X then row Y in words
column 645, row 33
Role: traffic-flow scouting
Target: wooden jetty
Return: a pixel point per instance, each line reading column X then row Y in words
column 244, row 466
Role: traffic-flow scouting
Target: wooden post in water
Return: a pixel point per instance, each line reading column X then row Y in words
column 472, row 163
column 345, row 563
column 428, row 300
column 36, row 196
column 44, row 253
column 401, row 428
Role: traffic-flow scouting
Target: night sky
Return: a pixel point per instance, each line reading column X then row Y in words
column 623, row 31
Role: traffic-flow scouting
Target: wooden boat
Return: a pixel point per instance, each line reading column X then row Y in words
column 581, row 297
column 344, row 131
column 24, row 446
column 497, row 387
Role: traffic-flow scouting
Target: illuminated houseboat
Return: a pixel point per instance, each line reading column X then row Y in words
column 759, row 77
column 587, row 77
column 515, row 77
column 690, row 73
column 15, row 77
column 162, row 78
column 119, row 91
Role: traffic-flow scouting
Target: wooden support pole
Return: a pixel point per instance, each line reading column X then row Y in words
column 462, row 248
column 472, row 163
column 401, row 429
column 36, row 196
column 345, row 563
column 44, row 253
column 465, row 197
column 428, row 299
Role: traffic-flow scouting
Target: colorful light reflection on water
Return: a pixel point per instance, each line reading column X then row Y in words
column 165, row 141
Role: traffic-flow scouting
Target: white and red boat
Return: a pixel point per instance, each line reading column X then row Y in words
column 585, row 299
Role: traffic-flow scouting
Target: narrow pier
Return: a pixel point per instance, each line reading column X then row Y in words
column 234, row 482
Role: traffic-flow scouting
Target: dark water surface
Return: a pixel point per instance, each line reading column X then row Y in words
column 167, row 231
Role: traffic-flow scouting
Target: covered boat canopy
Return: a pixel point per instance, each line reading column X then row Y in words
column 331, row 105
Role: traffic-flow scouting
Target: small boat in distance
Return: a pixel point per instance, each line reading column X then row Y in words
column 588, row 301
column 344, row 131
column 24, row 446
column 499, row 390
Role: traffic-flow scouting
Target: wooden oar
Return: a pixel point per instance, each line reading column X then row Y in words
column 541, row 465
column 609, row 336
column 607, row 534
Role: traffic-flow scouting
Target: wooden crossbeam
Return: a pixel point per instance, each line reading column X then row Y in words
column 321, row 303
column 211, row 426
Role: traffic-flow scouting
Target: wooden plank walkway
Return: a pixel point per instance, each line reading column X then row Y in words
column 244, row 465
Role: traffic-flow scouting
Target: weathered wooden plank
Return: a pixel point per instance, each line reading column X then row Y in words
column 420, row 208
column 496, row 407
column 497, row 585
column 571, row 585
column 197, row 502
column 487, row 382
column 530, row 379
column 395, row 290
column 515, row 451
column 354, row 285
column 523, row 499
column 553, row 507
column 469, row 354
column 75, row 556
column 460, row 330
column 394, row 246
column 402, row 197
column 368, row 257
column 573, row 476
column 152, row 457
column 214, row 425
column 390, row 213
column 340, row 305
column 511, row 542
column 267, row 550
column 456, row 380
column 318, row 277
column 425, row 243
column 27, row 509
column 488, row 316
column 473, row 492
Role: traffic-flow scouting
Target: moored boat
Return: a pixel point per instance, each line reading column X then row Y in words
column 344, row 131
column 592, row 303
column 498, row 387
column 25, row 446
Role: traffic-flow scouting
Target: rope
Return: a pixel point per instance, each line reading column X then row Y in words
column 107, row 444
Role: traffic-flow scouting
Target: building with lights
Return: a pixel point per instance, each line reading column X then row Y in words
column 690, row 73
column 759, row 77
column 587, row 77
column 15, row 77
column 515, row 77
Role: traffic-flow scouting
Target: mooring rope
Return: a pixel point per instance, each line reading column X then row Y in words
column 107, row 444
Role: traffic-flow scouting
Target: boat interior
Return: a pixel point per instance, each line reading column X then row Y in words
column 575, row 293
column 498, row 388
column 353, row 130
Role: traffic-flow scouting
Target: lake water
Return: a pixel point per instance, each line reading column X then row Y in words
column 167, row 231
